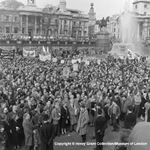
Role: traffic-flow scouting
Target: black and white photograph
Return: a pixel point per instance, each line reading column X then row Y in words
column 74, row 74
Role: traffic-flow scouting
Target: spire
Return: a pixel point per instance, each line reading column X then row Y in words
column 92, row 14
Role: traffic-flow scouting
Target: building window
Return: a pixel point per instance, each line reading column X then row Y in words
column 7, row 29
column 56, row 22
column 80, row 24
column 49, row 32
column 37, row 31
column 44, row 31
column 145, row 6
column 23, row 30
column 23, row 19
column 16, row 30
column 136, row 6
column 66, row 32
column 0, row 29
column 16, row 19
column 46, row 20
column 74, row 34
column 114, row 30
column 144, row 13
column 55, row 32
column 74, row 23
column 6, row 18
column 79, row 33
column 49, row 21
column 65, row 22
column 38, row 21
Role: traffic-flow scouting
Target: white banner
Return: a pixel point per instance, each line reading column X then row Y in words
column 54, row 60
column 62, row 61
column 45, row 57
column 75, row 67
column 28, row 53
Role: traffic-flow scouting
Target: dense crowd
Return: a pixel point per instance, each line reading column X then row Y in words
column 15, row 37
column 34, row 93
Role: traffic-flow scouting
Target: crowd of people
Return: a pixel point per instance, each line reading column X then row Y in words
column 15, row 37
column 40, row 100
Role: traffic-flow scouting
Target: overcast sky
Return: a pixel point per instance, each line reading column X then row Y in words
column 103, row 8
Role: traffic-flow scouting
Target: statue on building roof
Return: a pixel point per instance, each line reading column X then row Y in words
column 11, row 4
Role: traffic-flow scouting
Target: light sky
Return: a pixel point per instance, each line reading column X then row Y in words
column 103, row 8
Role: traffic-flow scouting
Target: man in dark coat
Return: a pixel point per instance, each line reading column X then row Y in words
column 64, row 118
column 7, row 134
column 47, row 134
column 130, row 119
column 100, row 126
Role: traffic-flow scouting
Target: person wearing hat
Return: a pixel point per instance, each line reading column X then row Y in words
column 114, row 113
column 47, row 134
column 130, row 118
column 83, row 122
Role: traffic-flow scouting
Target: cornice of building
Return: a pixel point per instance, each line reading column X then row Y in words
column 30, row 8
column 141, row 1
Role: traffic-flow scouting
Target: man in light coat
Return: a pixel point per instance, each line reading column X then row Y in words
column 83, row 122
column 28, row 131
column 114, row 113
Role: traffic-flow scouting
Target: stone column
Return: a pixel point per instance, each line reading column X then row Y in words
column 77, row 34
column 35, row 25
column 63, row 26
column 27, row 25
column 21, row 24
column 41, row 26
column 70, row 27
column 59, row 27
column 82, row 29
column 147, row 28
column 68, row 24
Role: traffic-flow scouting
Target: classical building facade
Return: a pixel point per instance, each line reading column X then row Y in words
column 140, row 14
column 51, row 22
column 113, row 26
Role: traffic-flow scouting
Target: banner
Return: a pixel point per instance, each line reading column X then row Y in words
column 54, row 60
column 66, row 72
column 7, row 52
column 45, row 54
column 99, row 62
column 62, row 62
column 28, row 53
column 45, row 51
column 75, row 67
column 45, row 57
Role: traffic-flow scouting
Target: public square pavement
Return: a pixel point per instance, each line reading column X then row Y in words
column 74, row 140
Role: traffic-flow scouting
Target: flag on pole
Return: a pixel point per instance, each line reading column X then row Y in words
column 44, row 50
